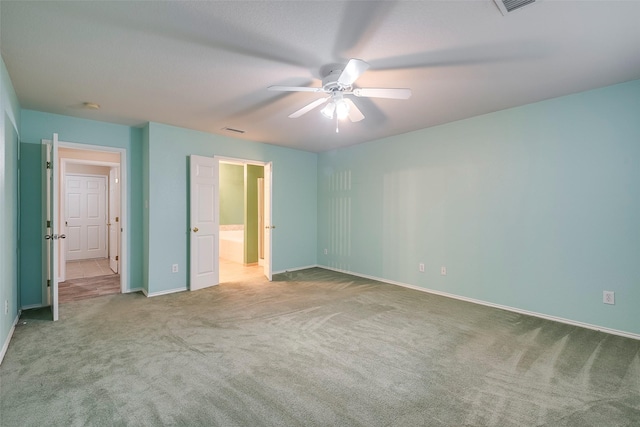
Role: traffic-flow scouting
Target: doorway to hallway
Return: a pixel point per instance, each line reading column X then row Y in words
column 89, row 215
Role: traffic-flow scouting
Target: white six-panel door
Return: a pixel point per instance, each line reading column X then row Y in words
column 204, row 234
column 51, row 237
column 85, row 216
column 268, row 226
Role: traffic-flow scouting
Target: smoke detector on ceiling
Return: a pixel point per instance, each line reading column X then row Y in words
column 508, row 6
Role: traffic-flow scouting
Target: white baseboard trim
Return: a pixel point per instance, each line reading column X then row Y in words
column 32, row 306
column 134, row 290
column 296, row 269
column 490, row 304
column 156, row 294
column 5, row 345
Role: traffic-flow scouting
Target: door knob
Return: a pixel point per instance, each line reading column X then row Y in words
column 195, row 229
column 55, row 236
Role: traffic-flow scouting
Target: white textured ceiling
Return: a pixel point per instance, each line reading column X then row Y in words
column 206, row 65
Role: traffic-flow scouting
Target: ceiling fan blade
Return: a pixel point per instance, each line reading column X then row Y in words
column 360, row 22
column 467, row 56
column 355, row 115
column 295, row 89
column 353, row 70
column 308, row 108
column 391, row 93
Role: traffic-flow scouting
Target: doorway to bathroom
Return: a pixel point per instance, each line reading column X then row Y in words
column 242, row 247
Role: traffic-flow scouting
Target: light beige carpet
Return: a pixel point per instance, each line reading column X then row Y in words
column 312, row 348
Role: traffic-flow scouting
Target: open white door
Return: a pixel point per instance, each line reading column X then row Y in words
column 268, row 226
column 114, row 219
column 51, row 237
column 204, row 220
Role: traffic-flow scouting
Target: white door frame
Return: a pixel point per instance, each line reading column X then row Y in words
column 124, row 192
column 268, row 220
column 113, row 224
column 62, row 269
column 268, row 265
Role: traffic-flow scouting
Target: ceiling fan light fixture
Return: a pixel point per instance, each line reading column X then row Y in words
column 328, row 110
column 342, row 109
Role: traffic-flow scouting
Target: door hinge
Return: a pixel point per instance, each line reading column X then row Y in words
column 48, row 224
column 117, row 219
column 116, row 257
column 48, row 282
column 48, row 165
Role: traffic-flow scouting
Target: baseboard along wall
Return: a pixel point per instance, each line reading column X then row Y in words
column 5, row 345
column 156, row 294
column 490, row 304
column 297, row 269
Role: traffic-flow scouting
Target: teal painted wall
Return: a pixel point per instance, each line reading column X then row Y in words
column 535, row 208
column 9, row 196
column 36, row 126
column 251, row 213
column 231, row 194
column 30, row 230
column 294, row 200
column 10, row 217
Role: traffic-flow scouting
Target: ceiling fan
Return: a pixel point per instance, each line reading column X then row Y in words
column 337, row 84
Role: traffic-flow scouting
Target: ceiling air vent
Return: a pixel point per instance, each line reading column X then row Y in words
column 233, row 130
column 507, row 6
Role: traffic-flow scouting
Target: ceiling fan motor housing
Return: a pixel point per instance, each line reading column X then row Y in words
column 330, row 82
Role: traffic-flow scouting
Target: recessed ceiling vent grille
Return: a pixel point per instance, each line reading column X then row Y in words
column 233, row 130
column 507, row 6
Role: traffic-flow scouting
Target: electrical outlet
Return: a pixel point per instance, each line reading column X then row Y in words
column 608, row 297
column 421, row 267
column 326, row 251
column 174, row 268
column 443, row 271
